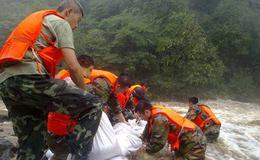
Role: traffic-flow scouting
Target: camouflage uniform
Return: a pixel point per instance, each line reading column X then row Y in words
column 29, row 98
column 211, row 130
column 192, row 143
column 129, row 110
column 100, row 88
column 103, row 89
column 29, row 94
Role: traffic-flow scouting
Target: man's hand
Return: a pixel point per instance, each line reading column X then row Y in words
column 76, row 73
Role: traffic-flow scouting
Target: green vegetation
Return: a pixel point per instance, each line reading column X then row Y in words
column 181, row 47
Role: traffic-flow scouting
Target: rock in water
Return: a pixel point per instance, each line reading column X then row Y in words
column 7, row 149
column 7, row 139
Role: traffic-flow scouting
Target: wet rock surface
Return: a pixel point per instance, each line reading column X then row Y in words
column 8, row 141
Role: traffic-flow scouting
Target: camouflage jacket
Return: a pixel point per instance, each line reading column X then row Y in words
column 129, row 110
column 159, row 134
column 194, row 111
column 103, row 89
column 158, row 138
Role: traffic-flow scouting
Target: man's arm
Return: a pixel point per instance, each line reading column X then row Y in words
column 103, row 90
column 159, row 135
column 192, row 113
column 76, row 73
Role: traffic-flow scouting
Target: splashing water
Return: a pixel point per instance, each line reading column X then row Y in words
column 240, row 132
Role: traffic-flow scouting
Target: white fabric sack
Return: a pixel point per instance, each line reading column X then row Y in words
column 105, row 143
column 128, row 136
column 138, row 126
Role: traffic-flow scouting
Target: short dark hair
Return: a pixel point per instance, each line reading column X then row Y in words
column 143, row 105
column 124, row 80
column 73, row 4
column 193, row 100
column 85, row 61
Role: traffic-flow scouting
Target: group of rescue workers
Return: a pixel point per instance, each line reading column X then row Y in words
column 48, row 112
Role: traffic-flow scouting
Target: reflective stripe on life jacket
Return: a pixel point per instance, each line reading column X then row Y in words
column 176, row 119
column 24, row 37
column 201, row 122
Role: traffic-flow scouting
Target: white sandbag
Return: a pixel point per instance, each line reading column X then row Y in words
column 138, row 126
column 105, row 143
column 128, row 136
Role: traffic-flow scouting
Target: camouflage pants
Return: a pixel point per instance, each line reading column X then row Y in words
column 212, row 133
column 58, row 146
column 163, row 154
column 192, row 147
column 29, row 98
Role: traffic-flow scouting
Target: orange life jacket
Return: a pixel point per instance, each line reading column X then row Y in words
column 121, row 100
column 110, row 77
column 60, row 124
column 128, row 94
column 176, row 119
column 63, row 74
column 24, row 37
column 199, row 121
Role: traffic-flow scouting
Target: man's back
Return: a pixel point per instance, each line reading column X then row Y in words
column 56, row 29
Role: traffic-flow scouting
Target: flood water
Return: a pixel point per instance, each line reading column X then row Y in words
column 240, row 132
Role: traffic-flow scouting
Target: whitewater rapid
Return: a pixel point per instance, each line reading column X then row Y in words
column 240, row 132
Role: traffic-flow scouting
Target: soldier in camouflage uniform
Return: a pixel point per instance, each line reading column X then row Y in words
column 192, row 142
column 131, row 93
column 106, row 89
column 211, row 129
column 100, row 87
column 29, row 93
column 128, row 111
column 122, row 85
